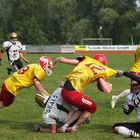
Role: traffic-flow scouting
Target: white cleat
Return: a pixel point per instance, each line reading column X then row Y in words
column 113, row 101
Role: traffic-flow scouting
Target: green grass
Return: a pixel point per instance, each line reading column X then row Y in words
column 16, row 121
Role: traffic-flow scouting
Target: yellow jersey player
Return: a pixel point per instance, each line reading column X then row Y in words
column 87, row 70
column 27, row 76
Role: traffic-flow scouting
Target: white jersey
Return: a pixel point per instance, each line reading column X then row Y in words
column 134, row 100
column 56, row 109
column 12, row 49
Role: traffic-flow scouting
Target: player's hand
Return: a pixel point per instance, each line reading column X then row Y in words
column 56, row 61
column 1, row 63
column 125, row 108
column 26, row 61
column 60, row 84
column 119, row 73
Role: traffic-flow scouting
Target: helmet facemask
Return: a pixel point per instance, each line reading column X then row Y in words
column 46, row 63
column 48, row 67
column 48, row 71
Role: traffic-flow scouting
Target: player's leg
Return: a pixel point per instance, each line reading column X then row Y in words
column 51, row 129
column 82, row 102
column 115, row 98
column 82, row 118
column 73, row 118
column 49, row 121
column 6, row 98
column 128, row 129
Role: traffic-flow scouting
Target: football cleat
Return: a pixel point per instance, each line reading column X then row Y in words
column 134, row 134
column 37, row 127
column 113, row 101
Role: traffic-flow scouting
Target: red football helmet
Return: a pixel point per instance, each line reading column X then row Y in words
column 101, row 58
column 46, row 63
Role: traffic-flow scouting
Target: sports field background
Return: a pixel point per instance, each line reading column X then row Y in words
column 16, row 121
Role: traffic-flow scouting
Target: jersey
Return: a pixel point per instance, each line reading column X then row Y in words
column 88, row 71
column 23, row 78
column 12, row 50
column 134, row 100
column 56, row 109
column 136, row 65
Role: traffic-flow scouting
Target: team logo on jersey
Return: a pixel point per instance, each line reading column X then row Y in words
column 51, row 102
column 86, row 101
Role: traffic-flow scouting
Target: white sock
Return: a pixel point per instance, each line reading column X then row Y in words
column 64, row 127
column 124, row 131
column 75, row 127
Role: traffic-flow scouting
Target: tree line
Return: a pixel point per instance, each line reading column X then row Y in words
column 39, row 22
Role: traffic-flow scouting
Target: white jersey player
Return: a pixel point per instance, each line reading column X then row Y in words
column 130, row 129
column 56, row 111
column 13, row 49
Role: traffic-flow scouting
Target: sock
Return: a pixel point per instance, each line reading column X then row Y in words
column 75, row 127
column 64, row 127
column 124, row 131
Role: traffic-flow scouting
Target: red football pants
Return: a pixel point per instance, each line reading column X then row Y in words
column 78, row 100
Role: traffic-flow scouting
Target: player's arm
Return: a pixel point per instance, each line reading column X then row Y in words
column 23, row 58
column 67, row 61
column 132, row 76
column 39, row 87
column 1, row 55
column 127, row 108
column 106, row 86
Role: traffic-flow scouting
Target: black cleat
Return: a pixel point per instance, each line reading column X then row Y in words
column 135, row 134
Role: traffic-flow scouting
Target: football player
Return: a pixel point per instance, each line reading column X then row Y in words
column 87, row 70
column 56, row 111
column 27, row 76
column 13, row 50
column 130, row 129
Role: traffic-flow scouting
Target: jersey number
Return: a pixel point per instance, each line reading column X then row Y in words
column 23, row 70
column 94, row 67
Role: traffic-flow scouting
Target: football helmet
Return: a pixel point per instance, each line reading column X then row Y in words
column 13, row 35
column 46, row 63
column 101, row 58
column 41, row 99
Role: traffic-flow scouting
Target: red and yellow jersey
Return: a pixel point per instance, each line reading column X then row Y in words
column 23, row 78
column 88, row 71
column 136, row 65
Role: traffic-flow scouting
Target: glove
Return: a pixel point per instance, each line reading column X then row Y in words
column 1, row 62
column 119, row 73
column 127, row 108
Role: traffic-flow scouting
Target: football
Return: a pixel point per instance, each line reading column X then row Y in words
column 99, row 86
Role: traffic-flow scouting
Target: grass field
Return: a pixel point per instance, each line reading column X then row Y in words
column 16, row 121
